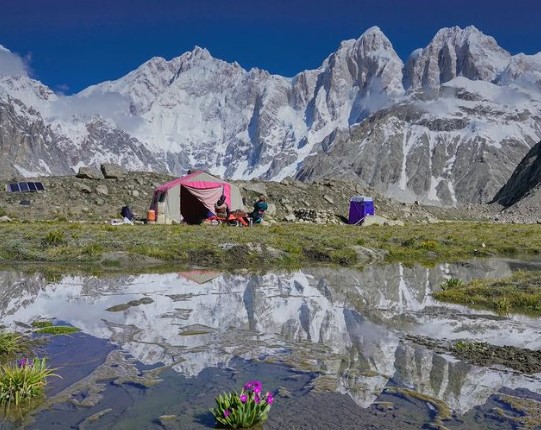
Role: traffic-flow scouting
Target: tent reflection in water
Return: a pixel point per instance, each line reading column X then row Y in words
column 192, row 197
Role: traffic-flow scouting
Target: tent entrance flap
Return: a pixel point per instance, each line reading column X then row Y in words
column 195, row 203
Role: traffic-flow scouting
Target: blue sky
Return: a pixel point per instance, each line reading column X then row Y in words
column 70, row 44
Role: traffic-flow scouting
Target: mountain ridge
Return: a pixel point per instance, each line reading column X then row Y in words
column 196, row 111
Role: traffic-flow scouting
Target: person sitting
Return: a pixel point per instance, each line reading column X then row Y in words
column 221, row 209
column 127, row 215
column 259, row 209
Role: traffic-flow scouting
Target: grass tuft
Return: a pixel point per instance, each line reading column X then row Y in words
column 41, row 323
column 54, row 238
column 57, row 330
column 13, row 344
column 23, row 381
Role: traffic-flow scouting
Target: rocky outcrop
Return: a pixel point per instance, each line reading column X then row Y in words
column 525, row 179
column 112, row 171
column 89, row 173
column 28, row 146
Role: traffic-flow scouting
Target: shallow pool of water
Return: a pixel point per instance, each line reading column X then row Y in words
column 333, row 344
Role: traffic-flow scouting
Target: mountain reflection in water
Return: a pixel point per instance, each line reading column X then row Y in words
column 346, row 324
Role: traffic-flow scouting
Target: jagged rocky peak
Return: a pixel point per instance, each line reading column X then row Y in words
column 368, row 59
column 201, row 56
column 456, row 52
column 198, row 53
column 149, row 81
column 198, row 67
column 339, row 92
column 374, row 42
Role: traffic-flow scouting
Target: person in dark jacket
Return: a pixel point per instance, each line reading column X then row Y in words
column 259, row 209
column 127, row 215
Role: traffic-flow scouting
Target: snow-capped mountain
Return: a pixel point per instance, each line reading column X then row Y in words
column 459, row 145
column 455, row 52
column 448, row 127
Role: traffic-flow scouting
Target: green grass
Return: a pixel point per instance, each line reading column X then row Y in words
column 62, row 242
column 54, row 237
column 519, row 293
column 57, row 330
column 21, row 383
column 41, row 323
column 452, row 283
column 13, row 344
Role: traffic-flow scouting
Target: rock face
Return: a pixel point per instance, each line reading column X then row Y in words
column 447, row 128
column 525, row 179
column 439, row 150
column 28, row 146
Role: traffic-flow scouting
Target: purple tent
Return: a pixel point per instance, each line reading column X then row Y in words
column 359, row 208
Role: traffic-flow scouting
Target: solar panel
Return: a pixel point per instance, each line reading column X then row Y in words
column 24, row 187
column 13, row 188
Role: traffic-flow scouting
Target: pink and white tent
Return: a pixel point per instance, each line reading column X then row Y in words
column 192, row 197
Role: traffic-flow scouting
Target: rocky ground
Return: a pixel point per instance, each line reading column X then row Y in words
column 485, row 354
column 90, row 196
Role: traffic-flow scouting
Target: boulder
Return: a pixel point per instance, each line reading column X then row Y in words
column 102, row 190
column 290, row 218
column 83, row 188
column 89, row 173
column 367, row 255
column 112, row 171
